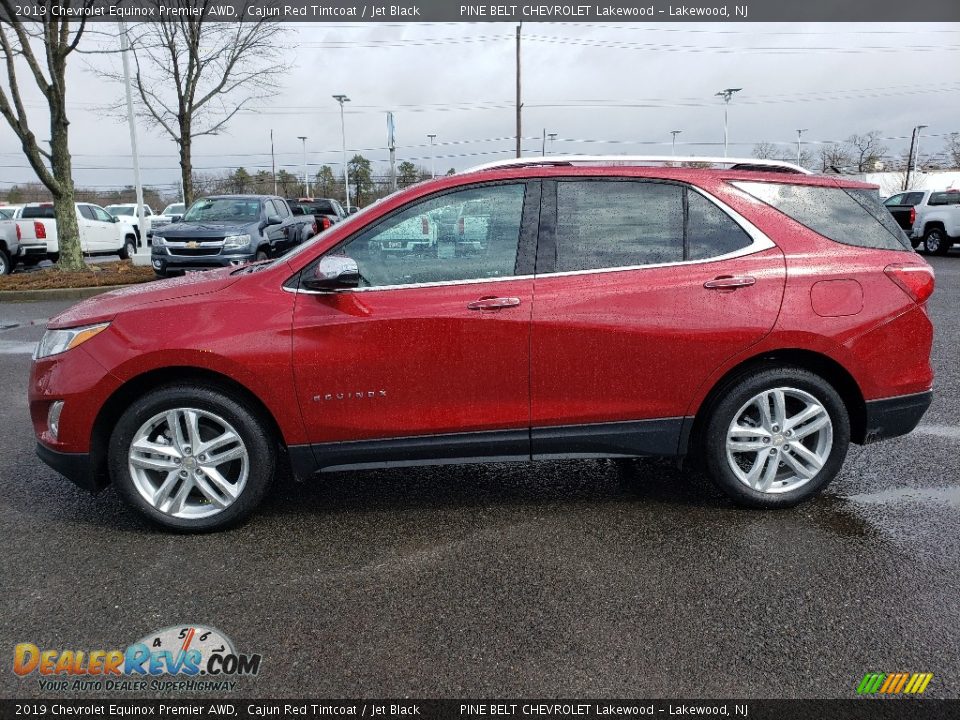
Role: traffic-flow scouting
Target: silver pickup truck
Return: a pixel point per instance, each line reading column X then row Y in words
column 14, row 248
column 937, row 221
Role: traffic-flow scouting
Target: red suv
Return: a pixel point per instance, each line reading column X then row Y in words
column 755, row 318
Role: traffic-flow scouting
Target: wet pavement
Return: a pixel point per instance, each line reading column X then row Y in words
column 556, row 579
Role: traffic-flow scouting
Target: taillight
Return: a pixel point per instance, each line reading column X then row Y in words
column 39, row 230
column 325, row 223
column 425, row 225
column 917, row 281
column 913, row 215
column 19, row 236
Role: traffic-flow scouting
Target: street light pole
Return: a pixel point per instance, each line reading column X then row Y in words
column 800, row 132
column 673, row 145
column 306, row 181
column 343, row 135
column 914, row 150
column 551, row 137
column 141, row 223
column 727, row 95
column 433, row 158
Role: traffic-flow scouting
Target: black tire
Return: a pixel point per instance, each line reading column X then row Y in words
column 6, row 266
column 53, row 257
column 252, row 430
column 261, row 255
column 936, row 242
column 726, row 406
column 915, row 243
column 129, row 247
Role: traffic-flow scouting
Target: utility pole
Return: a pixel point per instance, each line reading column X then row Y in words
column 800, row 132
column 343, row 135
column 551, row 137
column 433, row 158
column 727, row 95
column 391, row 144
column 273, row 164
column 673, row 144
column 519, row 104
column 306, row 182
column 141, row 224
column 914, row 144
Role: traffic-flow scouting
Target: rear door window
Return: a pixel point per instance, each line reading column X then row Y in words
column 912, row 198
column 848, row 216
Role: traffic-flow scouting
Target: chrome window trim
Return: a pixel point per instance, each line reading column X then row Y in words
column 760, row 242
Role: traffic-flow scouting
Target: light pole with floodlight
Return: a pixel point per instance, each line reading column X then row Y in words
column 433, row 159
column 727, row 95
column 306, row 178
column 343, row 136
column 800, row 132
column 673, row 143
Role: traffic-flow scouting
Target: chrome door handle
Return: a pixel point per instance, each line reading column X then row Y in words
column 493, row 303
column 728, row 282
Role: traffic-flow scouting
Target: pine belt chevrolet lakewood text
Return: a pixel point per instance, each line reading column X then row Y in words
column 753, row 317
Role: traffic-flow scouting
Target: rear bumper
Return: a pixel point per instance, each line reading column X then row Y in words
column 76, row 467
column 892, row 417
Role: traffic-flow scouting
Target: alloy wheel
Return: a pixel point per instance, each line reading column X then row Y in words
column 779, row 440
column 188, row 463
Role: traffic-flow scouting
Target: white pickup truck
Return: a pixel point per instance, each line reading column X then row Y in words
column 938, row 221
column 100, row 232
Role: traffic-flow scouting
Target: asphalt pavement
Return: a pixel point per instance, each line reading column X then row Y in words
column 559, row 579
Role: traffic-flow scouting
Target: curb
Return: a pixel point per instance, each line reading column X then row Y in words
column 14, row 296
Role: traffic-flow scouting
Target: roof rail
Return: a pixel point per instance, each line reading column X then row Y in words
column 569, row 160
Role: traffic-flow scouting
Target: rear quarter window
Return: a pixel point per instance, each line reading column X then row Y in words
column 845, row 215
column 43, row 212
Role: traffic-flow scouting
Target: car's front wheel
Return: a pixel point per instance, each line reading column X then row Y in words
column 5, row 264
column 129, row 248
column 191, row 458
column 776, row 437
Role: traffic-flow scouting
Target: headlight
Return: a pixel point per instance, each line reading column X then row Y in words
column 235, row 242
column 55, row 342
column 159, row 240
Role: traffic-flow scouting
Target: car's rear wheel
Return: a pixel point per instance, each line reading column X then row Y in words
column 935, row 241
column 191, row 459
column 776, row 437
column 5, row 265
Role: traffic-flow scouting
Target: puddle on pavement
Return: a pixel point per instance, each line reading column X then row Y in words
column 13, row 347
column 947, row 431
column 938, row 496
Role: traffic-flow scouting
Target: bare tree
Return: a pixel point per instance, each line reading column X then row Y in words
column 193, row 74
column 953, row 150
column 866, row 150
column 44, row 45
column 766, row 151
column 834, row 158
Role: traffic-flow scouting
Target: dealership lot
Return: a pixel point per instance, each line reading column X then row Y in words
column 558, row 579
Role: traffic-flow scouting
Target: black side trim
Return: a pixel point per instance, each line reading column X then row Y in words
column 529, row 228
column 892, row 417
column 76, row 467
column 547, row 243
column 494, row 446
column 619, row 439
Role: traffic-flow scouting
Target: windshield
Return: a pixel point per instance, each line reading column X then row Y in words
column 119, row 209
column 224, row 210
column 175, row 209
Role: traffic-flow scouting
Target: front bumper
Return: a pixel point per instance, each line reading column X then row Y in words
column 164, row 262
column 78, row 468
column 892, row 417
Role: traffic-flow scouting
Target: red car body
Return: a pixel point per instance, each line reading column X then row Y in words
column 585, row 364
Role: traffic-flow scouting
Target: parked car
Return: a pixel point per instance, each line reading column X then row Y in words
column 937, row 221
column 326, row 211
column 903, row 207
column 14, row 248
column 9, row 211
column 128, row 212
column 755, row 321
column 171, row 213
column 228, row 230
column 100, row 232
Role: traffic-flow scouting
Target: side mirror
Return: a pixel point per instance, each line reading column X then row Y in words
column 273, row 220
column 297, row 210
column 175, row 218
column 332, row 273
column 353, row 210
column 114, row 218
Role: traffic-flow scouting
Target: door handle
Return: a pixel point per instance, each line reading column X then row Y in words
column 728, row 282
column 493, row 303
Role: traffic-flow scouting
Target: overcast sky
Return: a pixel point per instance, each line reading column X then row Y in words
column 603, row 88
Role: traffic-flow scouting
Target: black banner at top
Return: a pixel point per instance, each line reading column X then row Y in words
column 509, row 11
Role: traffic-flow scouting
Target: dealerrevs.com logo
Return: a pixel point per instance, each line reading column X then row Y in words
column 190, row 657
